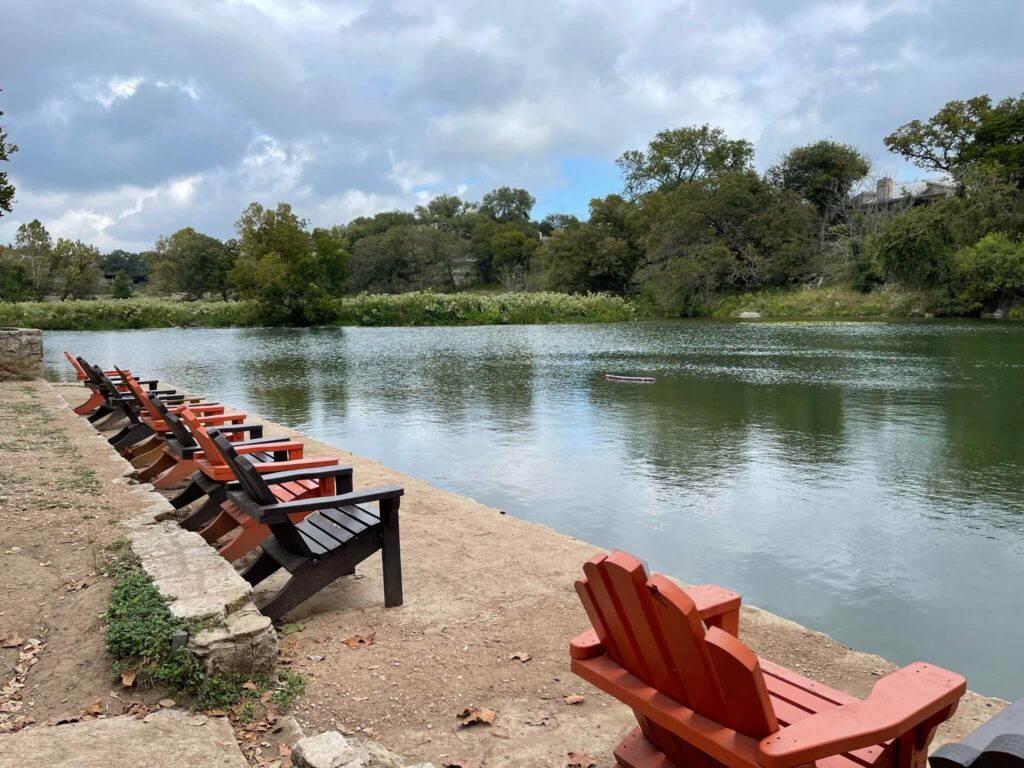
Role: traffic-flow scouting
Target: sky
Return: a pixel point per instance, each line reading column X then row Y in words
column 135, row 119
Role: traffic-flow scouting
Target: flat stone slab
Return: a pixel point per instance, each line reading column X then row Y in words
column 167, row 739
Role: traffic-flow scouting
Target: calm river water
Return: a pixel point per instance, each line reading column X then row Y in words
column 863, row 479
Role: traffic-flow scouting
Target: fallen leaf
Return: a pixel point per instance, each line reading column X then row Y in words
column 283, row 750
column 358, row 640
column 96, row 708
column 67, row 717
column 291, row 629
column 11, row 640
column 523, row 657
column 574, row 699
column 75, row 586
column 128, row 678
column 540, row 721
column 217, row 712
column 471, row 715
column 265, row 696
column 166, row 703
column 580, row 760
column 249, row 685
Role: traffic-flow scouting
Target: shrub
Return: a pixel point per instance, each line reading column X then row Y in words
column 989, row 273
column 916, row 247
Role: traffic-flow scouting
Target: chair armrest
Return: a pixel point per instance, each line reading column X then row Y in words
column 277, row 472
column 219, row 418
column 276, row 513
column 898, row 703
column 717, row 606
column 255, row 431
column 290, row 446
column 200, row 409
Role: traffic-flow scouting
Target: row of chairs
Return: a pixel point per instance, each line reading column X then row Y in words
column 243, row 490
column 701, row 697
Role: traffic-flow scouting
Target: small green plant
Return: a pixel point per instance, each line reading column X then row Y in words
column 140, row 633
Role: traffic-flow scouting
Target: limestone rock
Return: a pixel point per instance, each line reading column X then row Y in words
column 750, row 315
column 21, row 353
column 328, row 750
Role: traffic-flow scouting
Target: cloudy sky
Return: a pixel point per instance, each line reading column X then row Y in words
column 137, row 118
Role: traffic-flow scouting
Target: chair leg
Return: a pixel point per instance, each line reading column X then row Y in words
column 209, row 510
column 308, row 579
column 100, row 413
column 221, row 526
column 261, row 568
column 135, row 433
column 391, row 554
column 173, row 477
column 145, row 452
column 192, row 492
column 95, row 401
column 245, row 542
column 156, row 466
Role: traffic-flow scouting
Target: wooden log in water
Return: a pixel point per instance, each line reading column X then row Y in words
column 630, row 379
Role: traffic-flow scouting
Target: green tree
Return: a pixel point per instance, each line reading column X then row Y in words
column 822, row 173
column 916, row 248
column 407, row 258
column 77, row 269
column 191, row 263
column 121, row 286
column 507, row 204
column 586, row 258
column 557, row 222
column 450, row 214
column 34, row 249
column 964, row 132
column 367, row 226
column 682, row 155
column 280, row 265
column 6, row 187
column 989, row 273
column 14, row 283
column 132, row 264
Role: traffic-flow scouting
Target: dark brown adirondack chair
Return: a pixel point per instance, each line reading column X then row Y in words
column 703, row 699
column 338, row 532
column 998, row 743
column 95, row 399
column 113, row 396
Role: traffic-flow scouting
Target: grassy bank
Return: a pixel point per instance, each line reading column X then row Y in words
column 421, row 308
column 832, row 302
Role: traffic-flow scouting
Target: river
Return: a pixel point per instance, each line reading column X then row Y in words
column 863, row 479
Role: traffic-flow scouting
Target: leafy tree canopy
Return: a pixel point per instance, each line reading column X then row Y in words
column 965, row 132
column 682, row 155
column 7, row 149
column 507, row 204
column 822, row 173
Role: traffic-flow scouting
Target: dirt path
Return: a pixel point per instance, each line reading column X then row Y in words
column 479, row 587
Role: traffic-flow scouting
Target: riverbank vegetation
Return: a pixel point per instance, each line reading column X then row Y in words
column 695, row 231
column 416, row 308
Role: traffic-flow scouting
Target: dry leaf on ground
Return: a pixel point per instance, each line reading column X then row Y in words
column 358, row 640
column 96, row 708
column 472, row 715
column 523, row 657
column 580, row 760
column 11, row 640
column 574, row 699
column 67, row 717
column 128, row 678
column 543, row 720
column 166, row 703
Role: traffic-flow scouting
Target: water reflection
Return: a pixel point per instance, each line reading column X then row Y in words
column 865, row 479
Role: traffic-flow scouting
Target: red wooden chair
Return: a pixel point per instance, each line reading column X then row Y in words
column 703, row 699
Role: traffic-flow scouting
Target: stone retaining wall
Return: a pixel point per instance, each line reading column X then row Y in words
column 21, row 353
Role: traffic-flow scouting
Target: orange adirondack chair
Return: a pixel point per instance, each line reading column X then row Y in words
column 703, row 699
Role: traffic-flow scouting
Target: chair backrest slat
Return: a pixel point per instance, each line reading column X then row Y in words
column 651, row 628
column 80, row 372
column 244, row 470
column 139, row 394
column 202, row 437
column 177, row 429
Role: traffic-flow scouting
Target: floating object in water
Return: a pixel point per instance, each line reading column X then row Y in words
column 630, row 379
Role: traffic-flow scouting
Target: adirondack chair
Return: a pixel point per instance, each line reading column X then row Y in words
column 338, row 533
column 150, row 424
column 213, row 473
column 122, row 406
column 244, row 531
column 999, row 743
column 109, row 397
column 176, row 459
column 95, row 399
column 702, row 698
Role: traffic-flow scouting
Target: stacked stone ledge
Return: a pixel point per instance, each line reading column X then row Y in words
column 21, row 354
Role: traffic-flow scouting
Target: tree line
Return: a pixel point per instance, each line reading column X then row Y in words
column 694, row 221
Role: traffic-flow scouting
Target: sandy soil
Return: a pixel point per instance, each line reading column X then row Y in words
column 480, row 587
